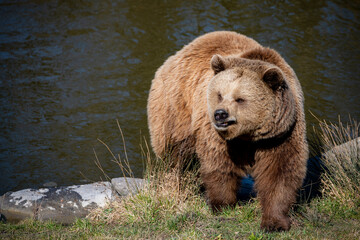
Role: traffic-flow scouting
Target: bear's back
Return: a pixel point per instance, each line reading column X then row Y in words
column 172, row 95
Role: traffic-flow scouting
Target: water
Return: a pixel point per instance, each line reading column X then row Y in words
column 69, row 69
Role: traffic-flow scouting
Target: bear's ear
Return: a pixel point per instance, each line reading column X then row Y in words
column 217, row 63
column 274, row 78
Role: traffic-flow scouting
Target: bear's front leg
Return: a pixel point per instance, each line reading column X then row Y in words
column 278, row 176
column 219, row 174
column 220, row 189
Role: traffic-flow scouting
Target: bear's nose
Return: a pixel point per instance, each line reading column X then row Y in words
column 221, row 115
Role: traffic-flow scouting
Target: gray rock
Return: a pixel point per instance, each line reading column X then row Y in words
column 125, row 186
column 63, row 204
column 15, row 206
column 350, row 148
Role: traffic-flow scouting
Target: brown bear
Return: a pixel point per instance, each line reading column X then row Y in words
column 238, row 107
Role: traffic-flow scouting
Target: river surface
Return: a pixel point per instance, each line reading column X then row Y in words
column 70, row 69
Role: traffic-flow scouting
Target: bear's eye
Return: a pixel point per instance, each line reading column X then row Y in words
column 240, row 100
column 219, row 97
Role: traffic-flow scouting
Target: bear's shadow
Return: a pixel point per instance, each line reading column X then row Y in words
column 309, row 190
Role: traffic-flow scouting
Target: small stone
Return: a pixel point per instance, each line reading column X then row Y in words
column 125, row 186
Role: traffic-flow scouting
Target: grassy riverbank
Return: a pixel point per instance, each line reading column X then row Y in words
column 172, row 207
column 322, row 219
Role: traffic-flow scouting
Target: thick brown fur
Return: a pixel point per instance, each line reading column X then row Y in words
column 264, row 134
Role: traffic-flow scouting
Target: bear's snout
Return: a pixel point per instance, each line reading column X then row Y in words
column 221, row 115
column 222, row 119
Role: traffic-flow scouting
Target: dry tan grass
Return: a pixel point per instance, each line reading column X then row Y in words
column 168, row 191
column 166, row 194
column 341, row 157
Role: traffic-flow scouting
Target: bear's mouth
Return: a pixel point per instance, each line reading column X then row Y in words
column 223, row 125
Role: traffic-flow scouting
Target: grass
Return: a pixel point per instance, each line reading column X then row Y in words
column 172, row 206
column 342, row 182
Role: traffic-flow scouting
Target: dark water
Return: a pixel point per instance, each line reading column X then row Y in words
column 69, row 69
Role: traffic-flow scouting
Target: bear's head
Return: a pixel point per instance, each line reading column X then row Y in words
column 249, row 99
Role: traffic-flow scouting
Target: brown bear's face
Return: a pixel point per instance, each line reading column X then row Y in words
column 242, row 97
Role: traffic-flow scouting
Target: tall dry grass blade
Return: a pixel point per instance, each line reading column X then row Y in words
column 98, row 164
column 124, row 167
column 126, row 160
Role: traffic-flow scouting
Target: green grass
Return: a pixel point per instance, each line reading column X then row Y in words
column 172, row 207
column 321, row 219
